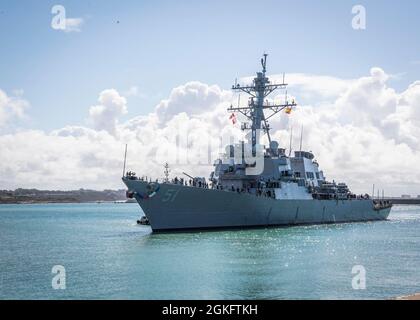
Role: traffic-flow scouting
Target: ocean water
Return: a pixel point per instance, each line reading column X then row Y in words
column 106, row 255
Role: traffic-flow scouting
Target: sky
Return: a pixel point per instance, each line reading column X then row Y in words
column 125, row 70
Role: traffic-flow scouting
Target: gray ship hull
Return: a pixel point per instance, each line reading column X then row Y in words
column 175, row 207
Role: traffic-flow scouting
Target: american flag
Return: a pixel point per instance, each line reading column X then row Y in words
column 232, row 118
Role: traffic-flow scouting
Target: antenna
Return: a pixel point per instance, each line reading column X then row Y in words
column 290, row 144
column 264, row 62
column 301, row 138
column 125, row 160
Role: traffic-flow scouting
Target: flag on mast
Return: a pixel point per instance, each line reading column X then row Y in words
column 289, row 108
column 232, row 118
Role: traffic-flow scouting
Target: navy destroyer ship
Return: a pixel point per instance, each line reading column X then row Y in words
column 253, row 185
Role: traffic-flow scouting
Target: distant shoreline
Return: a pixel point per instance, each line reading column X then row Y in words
column 67, row 202
column 404, row 200
column 33, row 196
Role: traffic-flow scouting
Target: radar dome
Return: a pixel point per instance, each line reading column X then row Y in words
column 274, row 145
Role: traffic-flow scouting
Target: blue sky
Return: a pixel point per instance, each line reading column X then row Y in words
column 158, row 45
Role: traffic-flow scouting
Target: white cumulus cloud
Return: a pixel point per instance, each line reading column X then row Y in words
column 361, row 130
column 11, row 107
column 105, row 115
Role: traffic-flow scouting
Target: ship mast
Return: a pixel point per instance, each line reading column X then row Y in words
column 259, row 90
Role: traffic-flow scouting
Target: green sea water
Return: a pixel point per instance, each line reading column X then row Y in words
column 106, row 255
